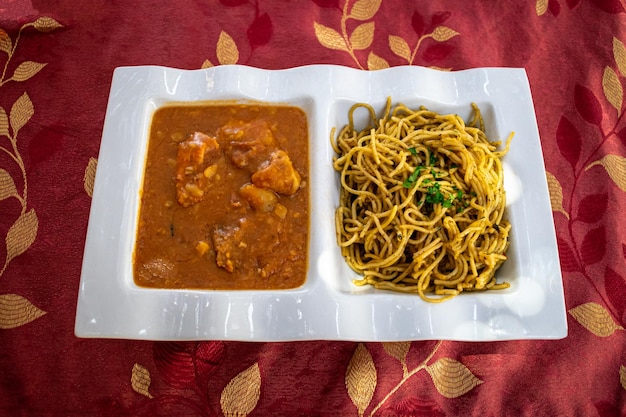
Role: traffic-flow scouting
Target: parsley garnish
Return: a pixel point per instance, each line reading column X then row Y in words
column 410, row 181
column 433, row 195
column 413, row 151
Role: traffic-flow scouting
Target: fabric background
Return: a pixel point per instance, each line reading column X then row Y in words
column 50, row 129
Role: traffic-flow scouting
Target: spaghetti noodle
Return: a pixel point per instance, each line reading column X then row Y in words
column 422, row 202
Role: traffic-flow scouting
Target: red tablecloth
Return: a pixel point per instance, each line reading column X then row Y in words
column 56, row 63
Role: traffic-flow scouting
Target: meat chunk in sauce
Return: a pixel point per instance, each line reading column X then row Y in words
column 195, row 167
column 252, row 146
column 232, row 245
column 260, row 199
column 229, row 245
column 248, row 145
column 278, row 174
column 157, row 270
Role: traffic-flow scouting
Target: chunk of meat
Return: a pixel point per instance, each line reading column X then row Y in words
column 260, row 199
column 248, row 145
column 157, row 270
column 228, row 245
column 278, row 174
column 235, row 245
column 195, row 167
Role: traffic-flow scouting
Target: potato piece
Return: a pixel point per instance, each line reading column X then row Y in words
column 260, row 199
column 280, row 211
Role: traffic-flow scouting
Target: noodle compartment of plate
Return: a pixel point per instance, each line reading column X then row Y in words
column 422, row 202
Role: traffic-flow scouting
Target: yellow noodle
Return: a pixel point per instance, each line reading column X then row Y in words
column 422, row 202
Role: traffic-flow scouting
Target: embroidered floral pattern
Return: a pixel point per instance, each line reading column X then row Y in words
column 16, row 310
column 584, row 213
column 450, row 377
column 356, row 33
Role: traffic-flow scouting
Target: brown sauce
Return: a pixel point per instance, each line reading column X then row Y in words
column 225, row 198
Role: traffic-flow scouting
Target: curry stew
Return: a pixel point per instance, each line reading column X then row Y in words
column 225, row 199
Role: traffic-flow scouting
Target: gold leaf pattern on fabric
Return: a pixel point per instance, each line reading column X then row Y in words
column 206, row 64
column 329, row 37
column 374, row 62
column 361, row 378
column 399, row 47
column 363, row 36
column 7, row 185
column 541, row 7
column 556, row 194
column 364, row 9
column 140, row 380
column 227, row 51
column 619, row 53
column 4, row 123
column 615, row 166
column 444, row 33
column 16, row 311
column 612, row 88
column 21, row 234
column 451, row 378
column 26, row 70
column 5, row 42
column 21, row 112
column 622, row 376
column 90, row 176
column 397, row 350
column 46, row 24
column 595, row 318
column 242, row 393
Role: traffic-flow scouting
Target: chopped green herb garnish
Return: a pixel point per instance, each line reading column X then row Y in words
column 413, row 151
column 409, row 182
column 447, row 203
column 473, row 194
column 459, row 194
column 433, row 195
column 433, row 173
column 433, row 159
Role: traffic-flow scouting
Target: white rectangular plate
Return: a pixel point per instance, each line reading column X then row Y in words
column 328, row 306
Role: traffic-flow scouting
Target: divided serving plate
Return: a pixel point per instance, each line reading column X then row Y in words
column 328, row 306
